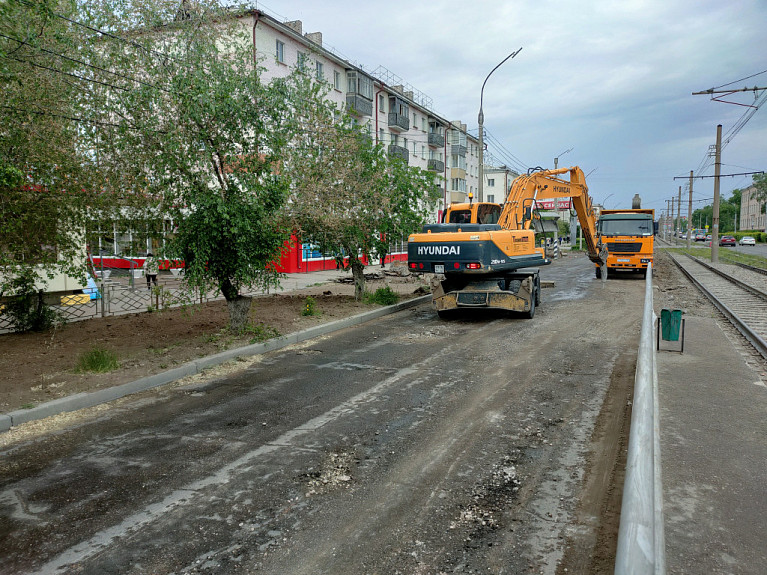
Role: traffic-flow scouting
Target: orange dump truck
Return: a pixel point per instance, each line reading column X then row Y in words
column 629, row 237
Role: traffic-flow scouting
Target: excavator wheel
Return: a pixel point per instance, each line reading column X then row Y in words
column 531, row 313
column 598, row 272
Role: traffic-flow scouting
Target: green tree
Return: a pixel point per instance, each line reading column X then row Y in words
column 199, row 137
column 47, row 176
column 349, row 194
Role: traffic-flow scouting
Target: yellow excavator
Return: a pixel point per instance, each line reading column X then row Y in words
column 484, row 255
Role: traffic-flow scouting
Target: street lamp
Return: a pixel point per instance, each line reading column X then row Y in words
column 481, row 121
column 556, row 160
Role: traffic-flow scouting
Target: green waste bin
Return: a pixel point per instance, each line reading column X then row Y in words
column 670, row 321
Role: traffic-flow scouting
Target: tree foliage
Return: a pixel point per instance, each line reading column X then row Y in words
column 47, row 176
column 729, row 214
column 350, row 198
column 197, row 135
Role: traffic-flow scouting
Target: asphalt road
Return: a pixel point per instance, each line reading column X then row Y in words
column 406, row 445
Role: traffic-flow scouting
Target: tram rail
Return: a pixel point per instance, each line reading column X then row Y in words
column 743, row 304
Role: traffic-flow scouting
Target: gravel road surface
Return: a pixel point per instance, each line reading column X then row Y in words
column 482, row 444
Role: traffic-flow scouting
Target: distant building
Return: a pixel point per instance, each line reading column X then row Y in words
column 497, row 183
column 751, row 210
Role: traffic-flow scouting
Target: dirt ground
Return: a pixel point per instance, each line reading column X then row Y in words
column 40, row 367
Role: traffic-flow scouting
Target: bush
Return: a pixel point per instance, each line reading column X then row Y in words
column 97, row 360
column 26, row 309
column 382, row 296
column 310, row 307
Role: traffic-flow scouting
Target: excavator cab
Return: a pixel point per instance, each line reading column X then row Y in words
column 472, row 213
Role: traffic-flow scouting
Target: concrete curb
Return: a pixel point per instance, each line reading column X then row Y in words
column 83, row 400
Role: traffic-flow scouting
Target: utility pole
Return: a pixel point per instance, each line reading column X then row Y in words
column 665, row 224
column 717, row 173
column 679, row 216
column 672, row 218
column 689, row 214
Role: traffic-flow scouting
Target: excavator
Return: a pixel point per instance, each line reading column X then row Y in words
column 484, row 255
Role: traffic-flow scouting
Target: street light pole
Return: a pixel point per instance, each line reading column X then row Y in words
column 556, row 200
column 481, row 122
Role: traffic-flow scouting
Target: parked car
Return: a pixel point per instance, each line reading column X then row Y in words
column 727, row 241
column 700, row 237
column 747, row 241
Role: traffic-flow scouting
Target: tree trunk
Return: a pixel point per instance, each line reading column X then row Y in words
column 358, row 273
column 239, row 313
column 238, row 307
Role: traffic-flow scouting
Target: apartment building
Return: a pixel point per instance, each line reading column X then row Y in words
column 497, row 182
column 751, row 211
column 396, row 115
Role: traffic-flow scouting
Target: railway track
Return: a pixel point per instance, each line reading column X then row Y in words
column 744, row 304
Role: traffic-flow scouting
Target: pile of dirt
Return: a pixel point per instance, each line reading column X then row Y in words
column 40, row 367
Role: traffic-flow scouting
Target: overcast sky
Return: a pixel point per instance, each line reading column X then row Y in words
column 610, row 79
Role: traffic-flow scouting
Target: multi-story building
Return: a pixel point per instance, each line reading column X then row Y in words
column 396, row 115
column 751, row 211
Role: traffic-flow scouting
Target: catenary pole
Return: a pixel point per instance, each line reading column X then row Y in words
column 717, row 173
column 689, row 214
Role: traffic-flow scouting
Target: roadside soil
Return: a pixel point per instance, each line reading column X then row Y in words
column 40, row 367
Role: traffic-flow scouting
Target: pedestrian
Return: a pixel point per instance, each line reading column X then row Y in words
column 151, row 269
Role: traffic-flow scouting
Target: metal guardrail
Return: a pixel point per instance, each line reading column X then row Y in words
column 641, row 541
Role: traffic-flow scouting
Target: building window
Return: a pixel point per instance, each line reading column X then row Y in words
column 491, row 198
column 279, row 53
column 301, row 61
column 320, row 71
column 337, row 79
column 381, row 103
column 491, row 182
column 423, row 124
column 423, row 152
column 381, row 135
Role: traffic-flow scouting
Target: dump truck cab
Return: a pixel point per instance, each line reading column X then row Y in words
column 629, row 237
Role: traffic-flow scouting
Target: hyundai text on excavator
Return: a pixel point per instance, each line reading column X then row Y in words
column 485, row 255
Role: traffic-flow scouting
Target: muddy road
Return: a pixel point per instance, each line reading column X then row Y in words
column 484, row 444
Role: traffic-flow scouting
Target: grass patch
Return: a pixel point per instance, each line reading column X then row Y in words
column 726, row 255
column 96, row 360
column 261, row 332
column 382, row 296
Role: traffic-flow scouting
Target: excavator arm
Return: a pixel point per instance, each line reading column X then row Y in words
column 547, row 185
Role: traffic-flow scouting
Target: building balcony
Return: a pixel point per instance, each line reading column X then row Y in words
column 399, row 122
column 436, row 140
column 399, row 152
column 458, row 150
column 357, row 104
column 458, row 197
column 435, row 166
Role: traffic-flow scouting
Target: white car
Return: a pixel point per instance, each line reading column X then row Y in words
column 747, row 241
